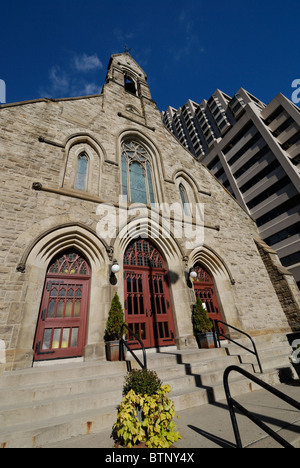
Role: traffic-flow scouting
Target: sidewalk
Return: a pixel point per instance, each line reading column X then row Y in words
column 209, row 426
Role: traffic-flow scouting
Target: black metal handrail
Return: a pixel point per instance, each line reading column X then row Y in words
column 125, row 343
column 235, row 342
column 232, row 404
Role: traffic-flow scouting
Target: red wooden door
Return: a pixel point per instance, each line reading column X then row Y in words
column 205, row 289
column 61, row 329
column 148, row 310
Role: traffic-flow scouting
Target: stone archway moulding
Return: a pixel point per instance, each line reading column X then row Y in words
column 34, row 264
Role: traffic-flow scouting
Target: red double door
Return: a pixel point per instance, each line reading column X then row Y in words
column 62, row 323
column 148, row 310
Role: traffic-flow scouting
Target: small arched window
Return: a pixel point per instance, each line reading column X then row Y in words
column 137, row 183
column 130, row 85
column 82, row 171
column 184, row 200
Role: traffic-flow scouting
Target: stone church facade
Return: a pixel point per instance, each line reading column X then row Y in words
column 92, row 181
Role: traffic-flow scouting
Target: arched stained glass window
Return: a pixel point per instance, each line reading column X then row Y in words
column 69, row 263
column 82, row 170
column 142, row 253
column 137, row 183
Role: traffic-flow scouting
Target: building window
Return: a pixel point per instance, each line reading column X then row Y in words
column 137, row 185
column 184, row 199
column 129, row 85
column 82, row 170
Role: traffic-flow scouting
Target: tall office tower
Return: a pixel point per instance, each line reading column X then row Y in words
column 253, row 149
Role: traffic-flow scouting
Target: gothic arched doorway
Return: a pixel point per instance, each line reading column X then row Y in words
column 61, row 329
column 148, row 310
column 205, row 289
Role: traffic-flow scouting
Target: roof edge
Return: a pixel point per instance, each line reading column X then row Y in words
column 34, row 101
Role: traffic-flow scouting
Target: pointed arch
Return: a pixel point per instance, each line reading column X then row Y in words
column 43, row 247
column 212, row 261
column 137, row 173
column 155, row 157
column 218, row 271
column 83, row 166
column 35, row 263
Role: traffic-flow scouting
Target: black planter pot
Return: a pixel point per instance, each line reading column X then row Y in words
column 113, row 351
column 205, row 340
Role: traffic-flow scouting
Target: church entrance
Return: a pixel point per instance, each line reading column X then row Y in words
column 61, row 329
column 148, row 309
column 205, row 289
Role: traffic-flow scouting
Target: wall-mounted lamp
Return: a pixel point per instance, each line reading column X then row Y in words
column 115, row 268
column 193, row 273
column 190, row 277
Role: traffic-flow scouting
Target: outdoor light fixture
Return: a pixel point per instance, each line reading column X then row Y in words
column 114, row 269
column 193, row 273
column 190, row 276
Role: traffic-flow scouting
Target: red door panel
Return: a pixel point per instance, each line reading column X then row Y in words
column 61, row 330
column 137, row 306
column 148, row 310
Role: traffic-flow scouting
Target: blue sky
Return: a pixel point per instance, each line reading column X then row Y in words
column 61, row 48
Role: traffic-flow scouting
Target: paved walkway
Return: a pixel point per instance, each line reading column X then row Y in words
column 209, row 426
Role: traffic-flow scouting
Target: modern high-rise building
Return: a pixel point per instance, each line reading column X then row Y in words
column 253, row 149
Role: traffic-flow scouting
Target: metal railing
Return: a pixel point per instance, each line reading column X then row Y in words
column 123, row 343
column 254, row 351
column 233, row 405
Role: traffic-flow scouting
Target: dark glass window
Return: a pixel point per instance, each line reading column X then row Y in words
column 184, row 199
column 81, row 176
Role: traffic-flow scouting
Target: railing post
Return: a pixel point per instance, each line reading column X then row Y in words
column 231, row 409
column 123, row 343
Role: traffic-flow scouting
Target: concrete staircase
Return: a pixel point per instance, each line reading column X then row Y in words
column 44, row 405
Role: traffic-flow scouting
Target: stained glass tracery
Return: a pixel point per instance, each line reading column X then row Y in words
column 69, row 264
column 137, row 183
column 142, row 253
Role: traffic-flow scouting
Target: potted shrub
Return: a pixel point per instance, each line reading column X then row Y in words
column 202, row 326
column 113, row 329
column 145, row 417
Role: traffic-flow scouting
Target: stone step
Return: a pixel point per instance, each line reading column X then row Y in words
column 189, row 399
column 268, row 361
column 39, row 392
column 41, row 433
column 35, row 411
column 59, row 373
column 263, row 353
column 158, row 360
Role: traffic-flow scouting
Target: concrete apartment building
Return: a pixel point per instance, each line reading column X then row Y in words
column 253, row 149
